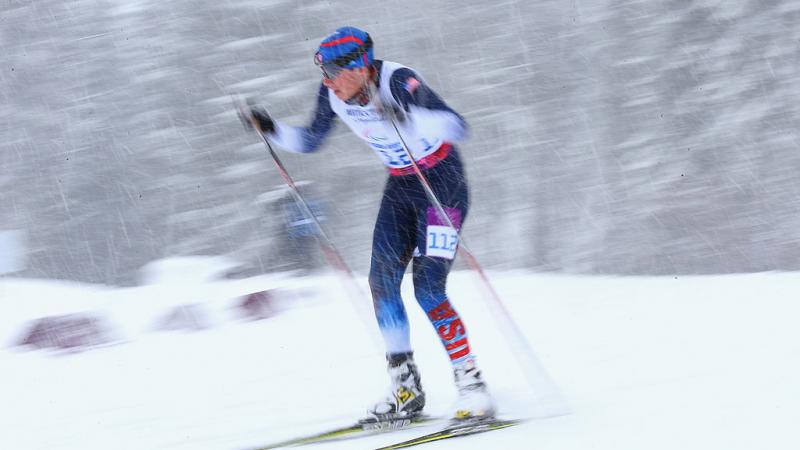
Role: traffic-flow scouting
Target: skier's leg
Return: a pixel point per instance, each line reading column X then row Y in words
column 437, row 242
column 392, row 246
column 430, row 274
column 430, row 280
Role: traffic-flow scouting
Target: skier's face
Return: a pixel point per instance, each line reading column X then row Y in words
column 347, row 83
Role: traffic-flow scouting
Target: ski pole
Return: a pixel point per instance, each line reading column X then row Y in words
column 355, row 293
column 553, row 404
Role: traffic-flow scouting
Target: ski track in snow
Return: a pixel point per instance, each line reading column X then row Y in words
column 705, row 362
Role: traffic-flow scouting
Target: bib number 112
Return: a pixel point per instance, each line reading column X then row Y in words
column 442, row 241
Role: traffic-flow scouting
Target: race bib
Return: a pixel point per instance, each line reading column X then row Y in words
column 442, row 239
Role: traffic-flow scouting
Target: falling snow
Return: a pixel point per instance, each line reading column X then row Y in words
column 614, row 138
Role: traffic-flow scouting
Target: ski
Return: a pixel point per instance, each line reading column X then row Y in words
column 456, row 430
column 362, row 428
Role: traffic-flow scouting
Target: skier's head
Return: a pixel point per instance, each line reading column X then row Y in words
column 347, row 48
column 345, row 58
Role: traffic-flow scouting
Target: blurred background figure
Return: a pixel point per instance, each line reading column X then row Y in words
column 295, row 246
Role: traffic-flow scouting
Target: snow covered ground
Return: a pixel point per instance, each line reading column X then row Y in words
column 706, row 362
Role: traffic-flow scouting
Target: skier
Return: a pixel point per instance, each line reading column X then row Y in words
column 372, row 96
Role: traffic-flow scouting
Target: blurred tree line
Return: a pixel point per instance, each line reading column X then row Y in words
column 608, row 137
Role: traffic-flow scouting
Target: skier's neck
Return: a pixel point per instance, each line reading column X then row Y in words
column 363, row 97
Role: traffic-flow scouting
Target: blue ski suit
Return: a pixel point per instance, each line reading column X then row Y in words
column 407, row 227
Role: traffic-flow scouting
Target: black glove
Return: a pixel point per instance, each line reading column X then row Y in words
column 394, row 111
column 257, row 115
column 264, row 121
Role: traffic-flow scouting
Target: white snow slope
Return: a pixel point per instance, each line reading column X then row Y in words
column 702, row 363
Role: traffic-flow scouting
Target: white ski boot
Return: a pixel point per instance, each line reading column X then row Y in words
column 406, row 397
column 474, row 401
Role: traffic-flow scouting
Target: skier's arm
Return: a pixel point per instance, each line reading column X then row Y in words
column 308, row 139
column 428, row 111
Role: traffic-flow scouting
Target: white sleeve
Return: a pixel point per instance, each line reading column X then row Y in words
column 287, row 137
column 440, row 123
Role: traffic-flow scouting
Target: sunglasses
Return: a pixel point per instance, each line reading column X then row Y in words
column 332, row 69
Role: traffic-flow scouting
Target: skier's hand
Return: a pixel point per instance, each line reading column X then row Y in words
column 262, row 119
column 399, row 114
column 395, row 112
column 255, row 116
